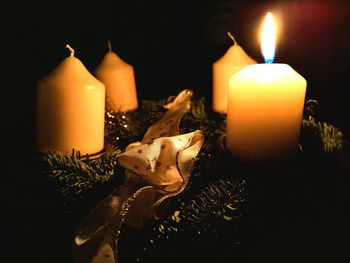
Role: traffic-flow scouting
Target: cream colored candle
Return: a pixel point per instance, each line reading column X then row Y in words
column 119, row 80
column 70, row 109
column 265, row 109
column 231, row 62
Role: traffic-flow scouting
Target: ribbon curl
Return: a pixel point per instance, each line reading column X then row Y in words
column 157, row 168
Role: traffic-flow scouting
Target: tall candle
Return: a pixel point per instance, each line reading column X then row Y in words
column 70, row 109
column 118, row 77
column 265, row 106
column 231, row 62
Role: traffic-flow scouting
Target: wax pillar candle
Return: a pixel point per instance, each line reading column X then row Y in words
column 70, row 109
column 231, row 62
column 265, row 109
column 119, row 80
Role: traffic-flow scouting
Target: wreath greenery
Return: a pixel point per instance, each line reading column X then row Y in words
column 214, row 200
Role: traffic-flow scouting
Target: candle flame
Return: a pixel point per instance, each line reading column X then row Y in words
column 268, row 38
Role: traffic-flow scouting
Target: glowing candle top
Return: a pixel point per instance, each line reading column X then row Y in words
column 268, row 38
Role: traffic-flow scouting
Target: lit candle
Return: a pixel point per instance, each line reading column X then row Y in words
column 231, row 62
column 70, row 109
column 265, row 106
column 119, row 80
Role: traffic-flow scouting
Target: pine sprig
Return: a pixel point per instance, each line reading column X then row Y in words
column 330, row 137
column 218, row 202
column 74, row 176
column 322, row 136
column 197, row 118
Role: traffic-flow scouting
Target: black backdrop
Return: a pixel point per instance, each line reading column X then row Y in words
column 171, row 44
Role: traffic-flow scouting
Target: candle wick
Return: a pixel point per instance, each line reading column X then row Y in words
column 109, row 45
column 268, row 60
column 71, row 50
column 232, row 37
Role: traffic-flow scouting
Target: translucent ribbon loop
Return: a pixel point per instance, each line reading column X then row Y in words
column 157, row 168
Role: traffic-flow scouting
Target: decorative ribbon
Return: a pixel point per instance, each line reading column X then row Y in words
column 157, row 168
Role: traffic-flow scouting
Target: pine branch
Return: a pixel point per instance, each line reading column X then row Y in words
column 217, row 202
column 212, row 125
column 220, row 199
column 330, row 137
column 75, row 177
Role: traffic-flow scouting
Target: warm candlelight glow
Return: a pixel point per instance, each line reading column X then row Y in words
column 70, row 109
column 265, row 105
column 230, row 63
column 268, row 38
column 118, row 77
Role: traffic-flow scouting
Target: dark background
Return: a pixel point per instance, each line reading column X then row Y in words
column 172, row 45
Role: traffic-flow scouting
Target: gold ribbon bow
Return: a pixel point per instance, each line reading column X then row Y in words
column 157, row 168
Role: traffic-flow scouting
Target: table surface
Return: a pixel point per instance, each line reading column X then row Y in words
column 285, row 218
